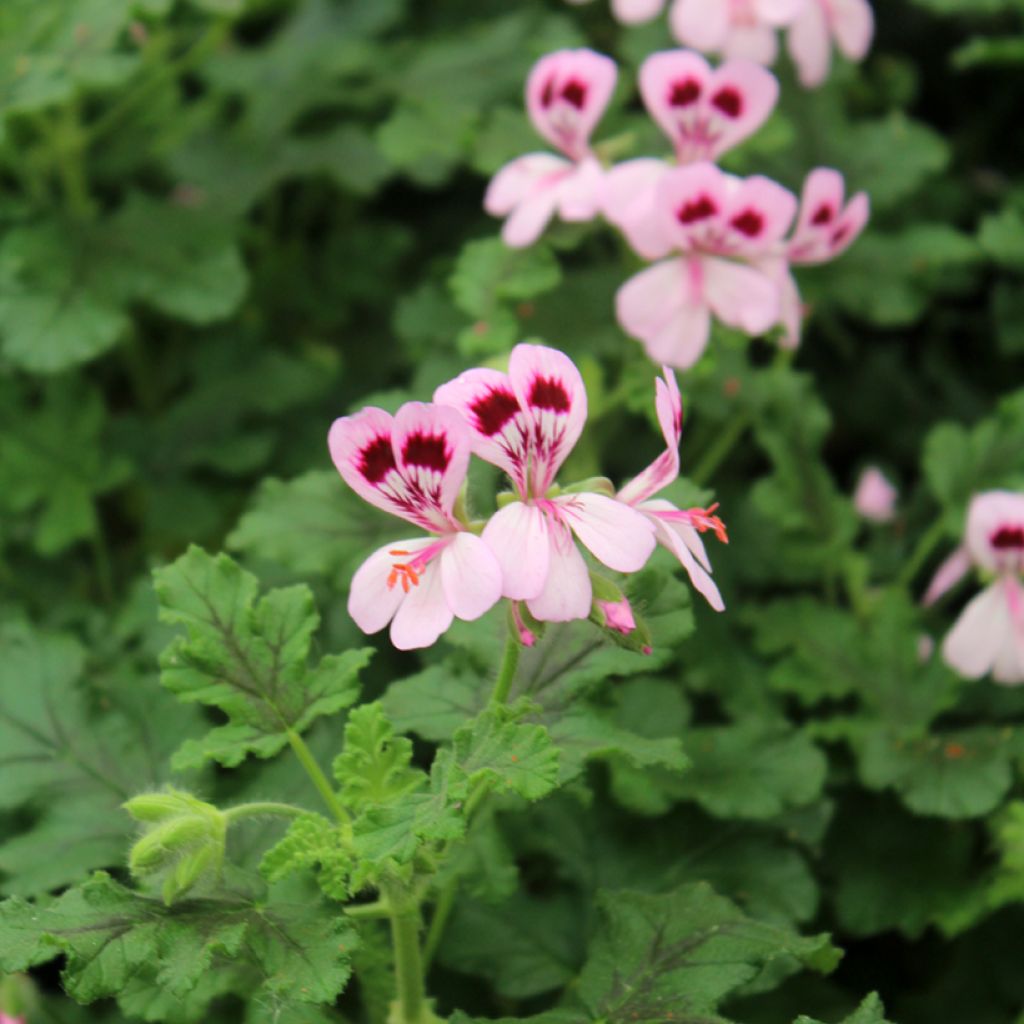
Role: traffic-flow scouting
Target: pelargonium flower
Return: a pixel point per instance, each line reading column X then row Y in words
column 826, row 226
column 850, row 23
column 677, row 530
column 526, row 422
column 874, row 497
column 734, row 28
column 413, row 465
column 632, row 12
column 704, row 112
column 989, row 634
column 566, row 94
column 719, row 225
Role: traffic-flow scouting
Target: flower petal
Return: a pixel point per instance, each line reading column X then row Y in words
column 635, row 12
column 526, row 223
column 522, row 179
column 975, row 642
column 741, row 296
column 372, row 603
column 499, row 428
column 1009, row 665
column 758, row 214
column 665, row 468
column 424, row 614
column 567, row 591
column 692, row 202
column 551, row 393
column 611, row 530
column 995, row 530
column 673, row 537
column 470, row 575
column 518, row 538
column 948, row 575
column 580, row 191
column 566, row 94
column 431, row 445
column 699, row 24
column 628, row 197
column 853, row 25
column 810, row 46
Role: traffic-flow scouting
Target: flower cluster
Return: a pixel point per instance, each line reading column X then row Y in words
column 525, row 422
column 748, row 28
column 989, row 634
column 723, row 246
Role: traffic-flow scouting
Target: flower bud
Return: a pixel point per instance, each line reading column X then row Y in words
column 182, row 845
column 612, row 611
column 17, row 998
column 875, row 498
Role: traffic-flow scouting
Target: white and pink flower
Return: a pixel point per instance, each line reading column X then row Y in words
column 989, row 635
column 413, row 465
column 720, row 226
column 704, row 112
column 850, row 23
column 526, row 422
column 734, row 28
column 566, row 94
column 826, row 226
column 677, row 530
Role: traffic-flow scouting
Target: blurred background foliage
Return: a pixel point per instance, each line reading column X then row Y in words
column 224, row 223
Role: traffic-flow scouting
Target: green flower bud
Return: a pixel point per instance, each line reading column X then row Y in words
column 182, row 844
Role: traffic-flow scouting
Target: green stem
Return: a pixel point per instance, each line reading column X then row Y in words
column 317, row 777
column 507, row 672
column 262, row 809
column 371, row 910
column 411, row 1004
column 214, row 35
column 719, row 451
column 101, row 559
column 69, row 149
column 925, row 546
column 442, row 911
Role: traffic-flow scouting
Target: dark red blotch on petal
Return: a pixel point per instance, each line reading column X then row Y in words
column 427, row 450
column 377, row 459
column 494, row 410
column 696, row 209
column 728, row 101
column 1008, row 537
column 750, row 223
column 684, row 93
column 823, row 215
column 549, row 393
column 575, row 92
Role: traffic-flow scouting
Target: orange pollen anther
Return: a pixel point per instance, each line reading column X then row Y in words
column 407, row 573
column 704, row 519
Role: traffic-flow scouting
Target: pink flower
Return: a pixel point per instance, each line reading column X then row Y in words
column 703, row 112
column 827, row 225
column 875, row 497
column 735, row 28
column 566, row 94
column 989, row 635
column 632, row 12
column 412, row 465
column 850, row 23
column 718, row 224
column 677, row 530
column 526, row 423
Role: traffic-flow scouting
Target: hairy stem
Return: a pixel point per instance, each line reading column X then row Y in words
column 507, row 672
column 317, row 777
column 442, row 911
column 263, row 809
column 411, row 1004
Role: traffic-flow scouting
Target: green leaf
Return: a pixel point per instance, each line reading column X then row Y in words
column 74, row 747
column 682, row 953
column 247, row 657
column 489, row 272
column 311, row 843
column 751, row 770
column 39, row 476
column 963, row 774
column 374, row 767
column 871, row 1011
column 312, row 524
column 1001, row 235
column 114, row 938
column 507, row 754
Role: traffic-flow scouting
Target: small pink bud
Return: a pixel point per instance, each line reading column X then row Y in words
column 618, row 615
column 875, row 497
column 647, row 649
column 527, row 637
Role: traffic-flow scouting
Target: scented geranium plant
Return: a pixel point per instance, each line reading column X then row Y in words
column 511, row 512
